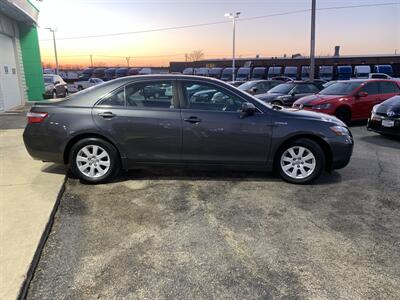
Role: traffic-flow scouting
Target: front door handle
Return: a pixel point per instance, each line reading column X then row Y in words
column 193, row 120
column 107, row 115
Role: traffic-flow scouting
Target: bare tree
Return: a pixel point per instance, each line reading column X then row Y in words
column 196, row 55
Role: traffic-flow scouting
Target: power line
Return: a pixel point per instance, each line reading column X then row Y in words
column 224, row 22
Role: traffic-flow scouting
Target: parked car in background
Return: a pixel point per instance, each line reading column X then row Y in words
column 286, row 93
column 121, row 72
column 243, row 74
column 326, row 72
column 109, row 74
column 84, row 84
column 133, row 71
column 215, row 72
column 290, row 72
column 362, row 72
column 54, row 86
column 274, row 72
column 255, row 87
column 188, row 71
column 99, row 73
column 113, row 126
column 227, row 74
column 350, row 100
column 259, row 73
column 202, row 71
column 344, row 72
column 385, row 117
column 282, row 78
column 236, row 83
column 379, row 76
column 305, row 73
column 385, row 69
column 145, row 71
column 86, row 74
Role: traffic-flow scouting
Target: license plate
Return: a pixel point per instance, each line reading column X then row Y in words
column 387, row 123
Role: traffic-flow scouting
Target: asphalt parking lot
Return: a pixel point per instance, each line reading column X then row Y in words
column 194, row 234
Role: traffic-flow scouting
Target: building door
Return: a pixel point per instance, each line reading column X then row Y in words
column 10, row 92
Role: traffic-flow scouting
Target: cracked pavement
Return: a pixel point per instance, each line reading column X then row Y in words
column 176, row 234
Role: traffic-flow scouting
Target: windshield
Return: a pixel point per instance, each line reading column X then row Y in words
column 340, row 88
column 247, row 85
column 283, row 88
column 48, row 79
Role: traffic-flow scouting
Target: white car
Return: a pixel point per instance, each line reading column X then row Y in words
column 379, row 76
column 81, row 85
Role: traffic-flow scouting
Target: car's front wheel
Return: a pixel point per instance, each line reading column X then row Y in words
column 94, row 160
column 300, row 161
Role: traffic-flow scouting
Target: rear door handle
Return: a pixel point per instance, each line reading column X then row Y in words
column 192, row 120
column 107, row 115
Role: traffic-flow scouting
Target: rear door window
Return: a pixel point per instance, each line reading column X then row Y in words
column 155, row 94
column 372, row 88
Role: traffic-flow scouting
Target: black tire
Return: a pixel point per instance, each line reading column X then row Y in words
column 80, row 88
column 114, row 159
column 312, row 147
column 66, row 93
column 343, row 114
column 276, row 102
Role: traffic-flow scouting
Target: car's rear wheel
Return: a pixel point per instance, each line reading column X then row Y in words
column 300, row 161
column 94, row 160
column 343, row 114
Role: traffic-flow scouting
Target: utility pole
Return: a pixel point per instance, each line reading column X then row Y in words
column 128, row 58
column 233, row 16
column 55, row 46
column 91, row 60
column 312, row 44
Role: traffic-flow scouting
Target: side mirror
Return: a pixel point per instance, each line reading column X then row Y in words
column 362, row 94
column 248, row 109
column 253, row 90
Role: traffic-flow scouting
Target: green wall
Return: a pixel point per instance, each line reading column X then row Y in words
column 31, row 60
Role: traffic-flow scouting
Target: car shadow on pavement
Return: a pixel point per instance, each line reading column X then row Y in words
column 55, row 169
column 213, row 175
column 384, row 141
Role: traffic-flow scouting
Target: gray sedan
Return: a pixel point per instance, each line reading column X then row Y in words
column 120, row 125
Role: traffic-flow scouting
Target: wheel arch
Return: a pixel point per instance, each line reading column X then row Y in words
column 344, row 106
column 319, row 140
column 81, row 136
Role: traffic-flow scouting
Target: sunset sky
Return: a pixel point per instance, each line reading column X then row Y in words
column 366, row 30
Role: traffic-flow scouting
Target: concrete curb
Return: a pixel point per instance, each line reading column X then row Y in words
column 36, row 257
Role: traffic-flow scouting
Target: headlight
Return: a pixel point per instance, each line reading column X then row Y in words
column 322, row 106
column 340, row 130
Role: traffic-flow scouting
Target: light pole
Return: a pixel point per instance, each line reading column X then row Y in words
column 55, row 46
column 233, row 16
column 312, row 44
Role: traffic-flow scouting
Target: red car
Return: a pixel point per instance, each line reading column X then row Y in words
column 350, row 100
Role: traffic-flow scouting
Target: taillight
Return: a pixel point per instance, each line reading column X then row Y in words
column 36, row 117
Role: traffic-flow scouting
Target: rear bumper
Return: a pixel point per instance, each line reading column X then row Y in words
column 41, row 146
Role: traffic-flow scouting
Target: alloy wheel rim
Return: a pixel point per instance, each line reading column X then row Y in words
column 93, row 161
column 298, row 162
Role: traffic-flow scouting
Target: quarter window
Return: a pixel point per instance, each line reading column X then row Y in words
column 389, row 87
column 209, row 97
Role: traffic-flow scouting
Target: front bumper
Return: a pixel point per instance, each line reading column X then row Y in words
column 342, row 150
column 375, row 124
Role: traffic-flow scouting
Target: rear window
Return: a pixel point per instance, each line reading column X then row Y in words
column 340, row 88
